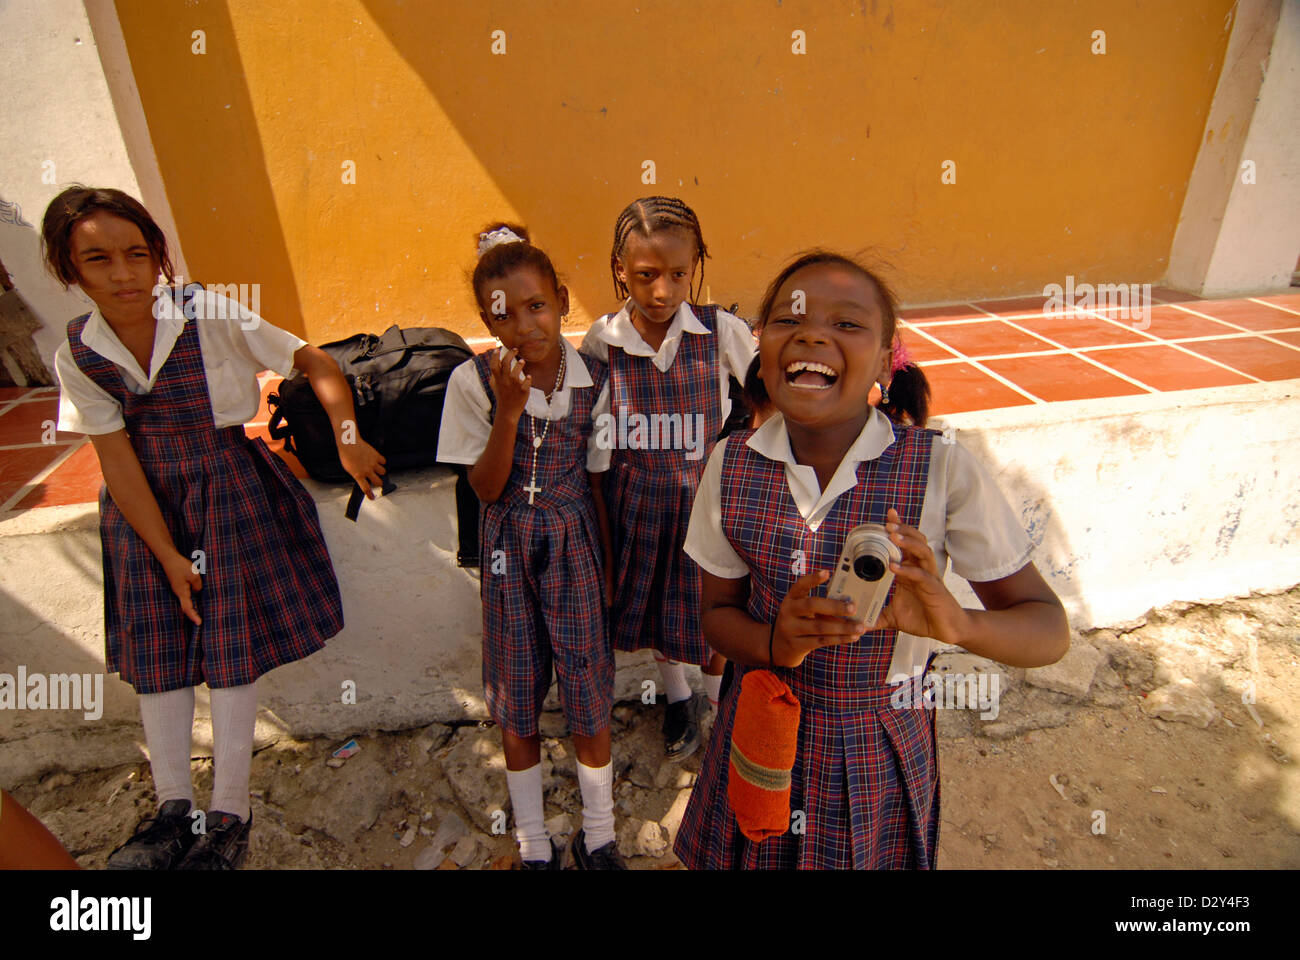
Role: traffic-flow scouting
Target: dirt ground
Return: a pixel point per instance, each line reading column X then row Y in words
column 1059, row 781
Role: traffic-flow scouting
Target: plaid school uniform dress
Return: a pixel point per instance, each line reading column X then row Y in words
column 542, row 586
column 866, row 774
column 650, row 494
column 269, row 594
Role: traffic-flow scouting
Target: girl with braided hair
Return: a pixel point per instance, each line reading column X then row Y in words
column 670, row 362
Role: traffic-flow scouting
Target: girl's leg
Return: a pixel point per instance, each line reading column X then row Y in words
column 592, row 751
column 234, row 713
column 681, row 728
column 524, row 780
column 168, row 726
column 673, row 674
column 596, row 780
column 713, row 678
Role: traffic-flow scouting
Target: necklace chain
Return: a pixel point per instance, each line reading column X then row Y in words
column 532, row 487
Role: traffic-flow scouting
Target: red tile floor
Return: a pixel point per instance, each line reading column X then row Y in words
column 977, row 356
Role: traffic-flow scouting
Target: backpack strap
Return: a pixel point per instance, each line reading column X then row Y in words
column 467, row 511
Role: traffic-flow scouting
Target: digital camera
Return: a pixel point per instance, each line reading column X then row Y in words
column 862, row 573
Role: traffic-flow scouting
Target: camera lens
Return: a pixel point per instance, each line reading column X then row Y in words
column 868, row 567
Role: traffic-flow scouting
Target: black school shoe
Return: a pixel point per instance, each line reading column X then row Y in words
column 555, row 863
column 602, row 858
column 681, row 730
column 223, row 847
column 160, row 841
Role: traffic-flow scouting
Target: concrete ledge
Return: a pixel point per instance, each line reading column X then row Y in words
column 1135, row 502
column 1132, row 503
column 411, row 647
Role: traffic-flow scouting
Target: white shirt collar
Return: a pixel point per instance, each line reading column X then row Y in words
column 576, row 374
column 772, row 440
column 98, row 335
column 619, row 332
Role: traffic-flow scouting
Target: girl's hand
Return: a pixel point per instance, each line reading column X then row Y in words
column 806, row 623
column 509, row 383
column 183, row 580
column 922, row 605
column 364, row 464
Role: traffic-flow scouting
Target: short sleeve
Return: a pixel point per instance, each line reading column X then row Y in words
column 84, row 406
column 247, row 336
column 737, row 343
column 984, row 538
column 593, row 346
column 599, row 451
column 706, row 544
column 466, row 418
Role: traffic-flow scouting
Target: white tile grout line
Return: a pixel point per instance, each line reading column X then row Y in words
column 33, row 446
column 1280, row 343
column 1275, row 306
column 1078, row 356
column 1206, row 316
column 961, row 357
column 1151, row 339
column 37, row 480
column 25, row 398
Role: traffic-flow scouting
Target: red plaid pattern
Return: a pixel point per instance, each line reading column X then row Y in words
column 269, row 593
column 542, row 584
column 866, row 775
column 650, row 494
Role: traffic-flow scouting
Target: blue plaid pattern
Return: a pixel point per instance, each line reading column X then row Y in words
column 866, row 775
column 542, row 586
column 650, row 494
column 269, row 593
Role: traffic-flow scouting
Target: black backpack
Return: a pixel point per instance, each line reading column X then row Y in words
column 399, row 383
column 741, row 415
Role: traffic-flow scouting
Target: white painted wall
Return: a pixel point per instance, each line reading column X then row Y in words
column 1259, row 241
column 1236, row 237
column 62, row 126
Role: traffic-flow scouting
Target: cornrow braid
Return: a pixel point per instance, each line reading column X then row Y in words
column 647, row 215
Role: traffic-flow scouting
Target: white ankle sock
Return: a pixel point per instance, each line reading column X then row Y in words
column 234, row 712
column 674, row 677
column 713, row 687
column 597, row 785
column 526, row 800
column 168, row 720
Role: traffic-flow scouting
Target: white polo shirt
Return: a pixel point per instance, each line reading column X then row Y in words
column 237, row 345
column 964, row 517
column 466, row 424
column 736, row 344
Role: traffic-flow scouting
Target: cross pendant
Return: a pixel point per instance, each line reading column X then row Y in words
column 532, row 488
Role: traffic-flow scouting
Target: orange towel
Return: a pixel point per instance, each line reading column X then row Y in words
column 764, row 739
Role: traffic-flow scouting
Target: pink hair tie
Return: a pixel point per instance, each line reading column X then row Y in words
column 902, row 357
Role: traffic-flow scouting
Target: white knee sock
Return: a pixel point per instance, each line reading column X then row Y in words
column 597, row 785
column 713, row 687
column 168, row 727
column 674, row 676
column 526, row 799
column 234, row 713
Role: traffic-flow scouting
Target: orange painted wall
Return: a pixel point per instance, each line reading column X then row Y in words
column 1066, row 162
